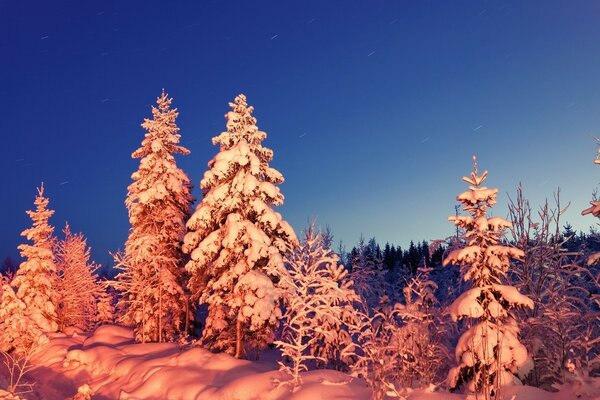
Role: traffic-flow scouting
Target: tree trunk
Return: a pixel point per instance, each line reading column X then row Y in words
column 187, row 315
column 239, row 343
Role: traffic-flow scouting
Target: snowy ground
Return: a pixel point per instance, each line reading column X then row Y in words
column 116, row 368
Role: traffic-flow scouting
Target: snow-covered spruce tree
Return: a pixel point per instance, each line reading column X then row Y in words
column 33, row 282
column 318, row 303
column 489, row 353
column 77, row 284
column 236, row 240
column 159, row 201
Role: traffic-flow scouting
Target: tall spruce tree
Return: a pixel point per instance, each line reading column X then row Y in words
column 236, row 240
column 33, row 282
column 489, row 353
column 159, row 201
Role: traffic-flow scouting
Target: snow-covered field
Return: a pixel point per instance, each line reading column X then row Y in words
column 115, row 367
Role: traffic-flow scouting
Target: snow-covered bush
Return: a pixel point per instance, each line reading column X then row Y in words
column 77, row 287
column 401, row 346
column 556, row 333
column 489, row 353
column 236, row 241
column 420, row 336
column 378, row 354
column 158, row 200
column 318, row 302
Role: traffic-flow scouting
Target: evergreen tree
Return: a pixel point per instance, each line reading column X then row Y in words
column 425, row 256
column 236, row 240
column 389, row 256
column 399, row 258
column 489, row 353
column 327, row 235
column 76, row 282
column 438, row 253
column 35, row 276
column 412, row 258
column 9, row 267
column 158, row 201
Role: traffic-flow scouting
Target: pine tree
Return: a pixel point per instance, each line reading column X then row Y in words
column 412, row 258
column 236, row 240
column 489, row 353
column 389, row 254
column 158, row 201
column 8, row 267
column 34, row 279
column 76, row 283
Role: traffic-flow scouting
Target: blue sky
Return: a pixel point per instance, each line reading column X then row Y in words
column 373, row 108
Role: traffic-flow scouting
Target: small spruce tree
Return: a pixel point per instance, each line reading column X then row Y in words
column 489, row 353
column 33, row 282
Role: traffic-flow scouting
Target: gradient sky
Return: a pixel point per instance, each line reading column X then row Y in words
column 373, row 108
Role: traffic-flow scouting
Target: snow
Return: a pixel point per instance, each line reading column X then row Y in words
column 110, row 365
column 476, row 195
column 113, row 366
column 466, row 305
column 513, row 296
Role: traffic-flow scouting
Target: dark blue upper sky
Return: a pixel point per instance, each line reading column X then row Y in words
column 373, row 108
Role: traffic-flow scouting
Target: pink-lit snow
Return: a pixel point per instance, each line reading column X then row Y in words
column 113, row 366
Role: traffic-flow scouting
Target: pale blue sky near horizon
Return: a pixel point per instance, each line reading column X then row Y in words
column 373, row 108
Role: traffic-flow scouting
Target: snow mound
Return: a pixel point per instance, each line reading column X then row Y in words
column 109, row 365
